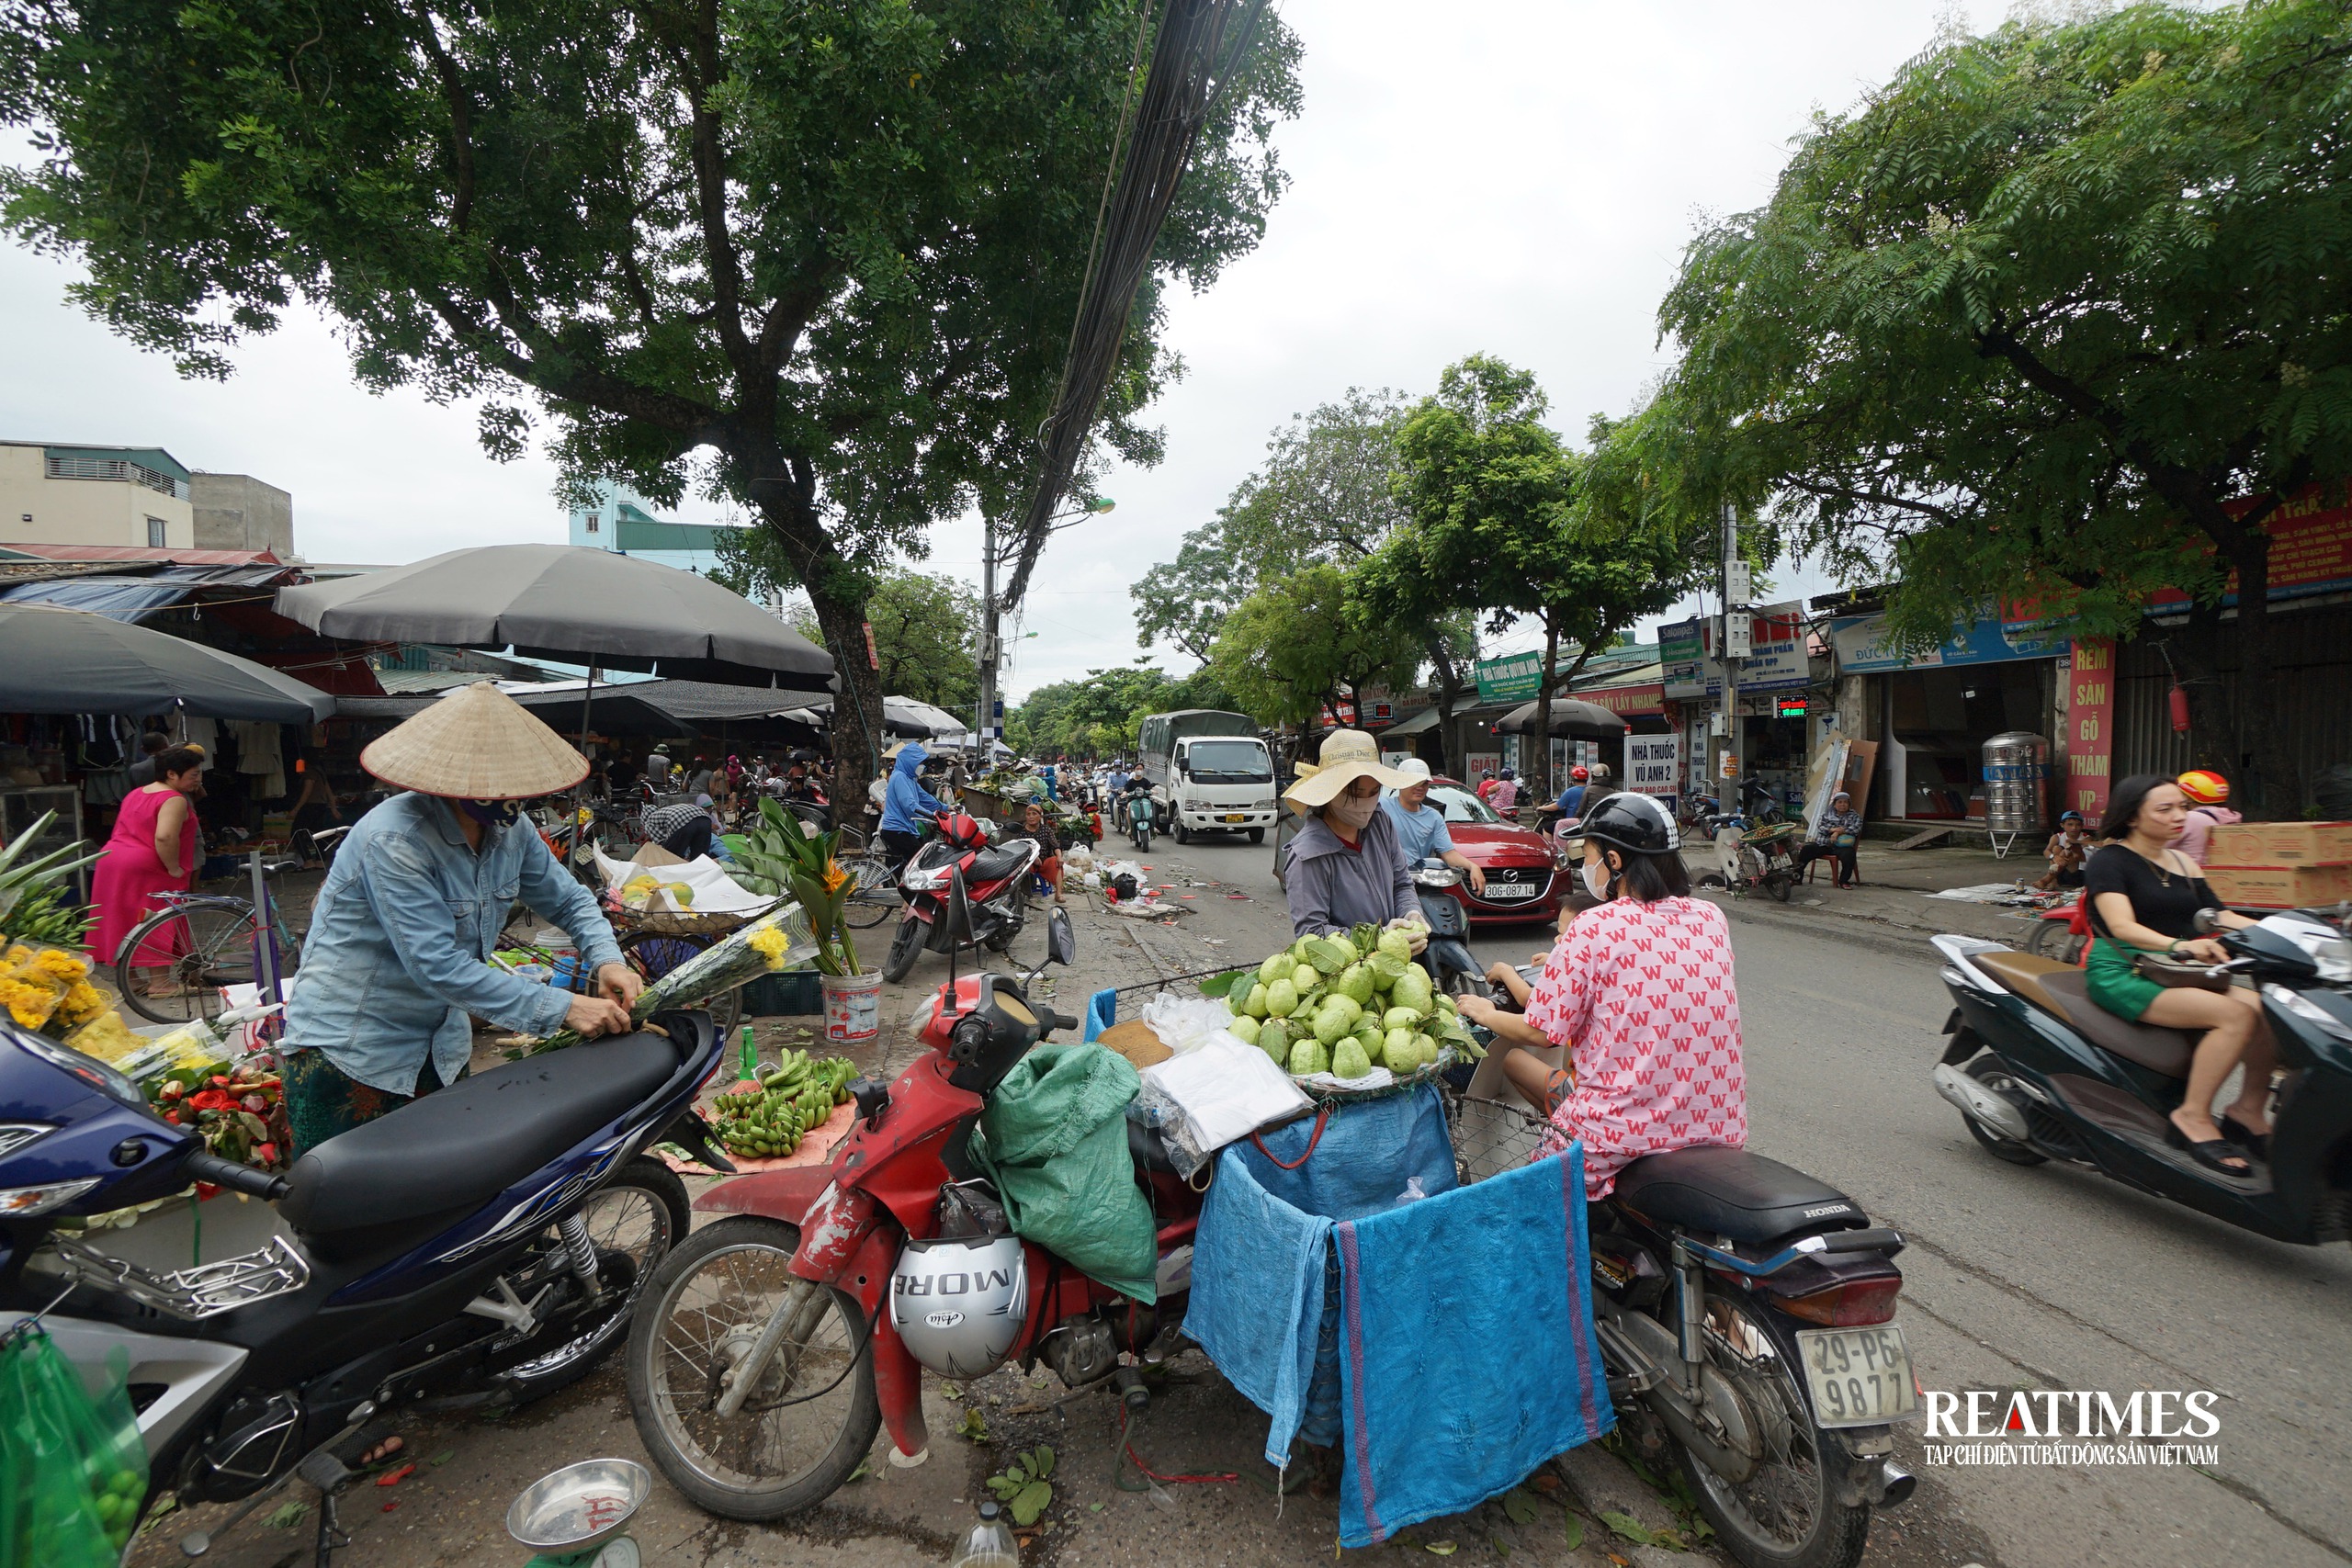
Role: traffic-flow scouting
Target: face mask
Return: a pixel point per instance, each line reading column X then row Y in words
column 1355, row 810
column 492, row 813
column 1596, row 879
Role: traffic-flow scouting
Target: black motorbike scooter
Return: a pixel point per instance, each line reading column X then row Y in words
column 1448, row 958
column 2041, row 1072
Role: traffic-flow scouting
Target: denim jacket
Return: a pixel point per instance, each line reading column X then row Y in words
column 400, row 938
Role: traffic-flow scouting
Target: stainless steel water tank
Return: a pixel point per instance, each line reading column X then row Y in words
column 2017, row 781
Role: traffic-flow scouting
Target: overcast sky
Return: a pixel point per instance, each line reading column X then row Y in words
column 1512, row 176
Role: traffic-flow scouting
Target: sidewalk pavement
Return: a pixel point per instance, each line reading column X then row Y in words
column 1891, row 908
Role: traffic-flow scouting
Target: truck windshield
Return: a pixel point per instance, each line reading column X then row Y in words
column 1228, row 762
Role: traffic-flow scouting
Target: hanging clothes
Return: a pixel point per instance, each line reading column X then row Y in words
column 198, row 731
column 259, row 758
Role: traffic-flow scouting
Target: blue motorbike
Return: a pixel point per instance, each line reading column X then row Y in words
column 1139, row 814
column 479, row 1247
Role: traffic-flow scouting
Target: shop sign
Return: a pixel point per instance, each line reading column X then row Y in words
column 2090, row 725
column 1478, row 763
column 1513, row 678
column 1652, row 762
column 1776, row 660
column 1382, row 713
column 1622, row 699
column 1865, row 645
column 2310, row 549
column 1339, row 716
column 1729, row 770
column 1791, row 707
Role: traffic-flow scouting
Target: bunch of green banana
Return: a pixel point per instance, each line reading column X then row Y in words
column 770, row 1121
column 33, row 905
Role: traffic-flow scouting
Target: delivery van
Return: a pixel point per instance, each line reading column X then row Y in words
column 1209, row 773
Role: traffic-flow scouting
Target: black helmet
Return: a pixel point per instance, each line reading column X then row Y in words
column 1636, row 824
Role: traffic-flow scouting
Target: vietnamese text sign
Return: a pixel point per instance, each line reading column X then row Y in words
column 1650, row 764
column 2090, row 726
column 1864, row 645
column 1514, row 677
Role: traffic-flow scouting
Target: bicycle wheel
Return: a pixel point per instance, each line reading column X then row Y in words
column 211, row 941
column 875, row 897
column 654, row 955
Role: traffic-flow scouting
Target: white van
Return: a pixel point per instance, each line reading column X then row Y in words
column 1209, row 771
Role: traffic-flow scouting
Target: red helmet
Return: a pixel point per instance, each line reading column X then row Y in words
column 2204, row 786
column 1579, row 774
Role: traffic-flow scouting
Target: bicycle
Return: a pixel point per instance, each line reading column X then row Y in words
column 209, row 939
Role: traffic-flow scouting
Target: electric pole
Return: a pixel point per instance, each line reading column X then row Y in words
column 1732, row 647
column 987, row 646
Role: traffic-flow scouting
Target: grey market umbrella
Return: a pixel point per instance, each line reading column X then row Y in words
column 1588, row 721
column 571, row 603
column 54, row 660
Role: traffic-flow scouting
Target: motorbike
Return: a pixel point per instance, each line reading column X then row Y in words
column 479, row 1247
column 775, row 1342
column 2040, row 1072
column 1140, row 809
column 1448, row 956
column 1746, row 1314
column 1750, row 858
column 990, row 887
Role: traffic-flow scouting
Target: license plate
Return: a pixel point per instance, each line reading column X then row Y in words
column 1237, row 816
column 1859, row 1377
column 1504, row 892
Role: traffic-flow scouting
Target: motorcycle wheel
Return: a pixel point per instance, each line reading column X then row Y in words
column 1786, row 1514
column 809, row 1421
column 905, row 948
column 2050, row 939
column 633, row 1221
column 1987, row 1070
column 1777, row 883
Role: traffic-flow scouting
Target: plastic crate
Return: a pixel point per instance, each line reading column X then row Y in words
column 794, row 993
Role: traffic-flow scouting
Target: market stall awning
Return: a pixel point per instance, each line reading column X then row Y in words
column 943, row 725
column 122, row 597
column 1420, row 724
column 57, row 660
column 617, row 710
column 571, row 604
column 1585, row 721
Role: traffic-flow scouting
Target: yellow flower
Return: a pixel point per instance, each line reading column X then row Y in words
column 83, row 1002
column 769, row 943
column 29, row 1005
column 60, row 964
column 834, row 876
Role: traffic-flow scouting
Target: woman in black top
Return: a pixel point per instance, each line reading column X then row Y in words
column 2144, row 897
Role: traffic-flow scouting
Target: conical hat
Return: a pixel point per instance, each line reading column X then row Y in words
column 476, row 743
column 1346, row 756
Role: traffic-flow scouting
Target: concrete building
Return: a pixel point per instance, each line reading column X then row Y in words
column 238, row 512
column 94, row 495
column 619, row 522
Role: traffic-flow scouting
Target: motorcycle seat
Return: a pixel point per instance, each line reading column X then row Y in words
column 1147, row 1148
column 996, row 864
column 2063, row 990
column 461, row 1146
column 1733, row 1193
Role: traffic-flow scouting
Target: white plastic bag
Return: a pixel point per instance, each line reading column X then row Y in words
column 1210, row 1096
column 1185, row 1023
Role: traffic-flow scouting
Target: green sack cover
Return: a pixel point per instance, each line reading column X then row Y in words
column 1054, row 1139
column 73, row 1470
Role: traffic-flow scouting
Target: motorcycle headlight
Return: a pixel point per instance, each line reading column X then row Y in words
column 1445, row 876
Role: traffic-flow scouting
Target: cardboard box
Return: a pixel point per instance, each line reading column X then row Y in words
column 2282, row 843
column 2280, row 887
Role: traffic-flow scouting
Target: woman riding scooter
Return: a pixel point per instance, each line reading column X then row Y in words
column 1640, row 988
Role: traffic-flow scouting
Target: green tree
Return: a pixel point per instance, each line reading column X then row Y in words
column 2060, row 314
column 1097, row 718
column 1500, row 521
column 923, row 628
column 1324, row 495
column 1305, row 640
column 816, row 256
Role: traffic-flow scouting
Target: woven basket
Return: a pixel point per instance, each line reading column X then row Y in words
column 675, row 923
column 1491, row 1136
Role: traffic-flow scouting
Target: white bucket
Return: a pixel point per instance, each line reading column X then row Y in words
column 852, row 1008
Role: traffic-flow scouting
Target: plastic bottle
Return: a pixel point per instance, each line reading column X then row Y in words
column 751, row 1064
column 990, row 1544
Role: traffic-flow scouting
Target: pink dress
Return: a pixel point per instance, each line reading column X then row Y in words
column 130, row 874
column 1643, row 995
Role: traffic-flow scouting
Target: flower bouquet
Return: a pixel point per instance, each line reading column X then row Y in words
column 240, row 1111
column 792, row 857
column 774, row 940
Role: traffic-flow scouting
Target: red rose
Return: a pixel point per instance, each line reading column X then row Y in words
column 255, row 1104
column 212, row 1100
column 173, row 1088
column 265, row 1154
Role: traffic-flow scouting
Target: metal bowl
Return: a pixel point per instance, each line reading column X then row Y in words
column 579, row 1506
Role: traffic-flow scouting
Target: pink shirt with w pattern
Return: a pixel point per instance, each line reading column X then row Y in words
column 1643, row 993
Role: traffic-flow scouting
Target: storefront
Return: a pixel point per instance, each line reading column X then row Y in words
column 1932, row 712
column 1780, row 686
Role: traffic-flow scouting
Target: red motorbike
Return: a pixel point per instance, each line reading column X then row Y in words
column 962, row 892
column 771, row 1346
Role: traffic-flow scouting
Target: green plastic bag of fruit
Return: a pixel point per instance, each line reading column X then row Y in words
column 72, row 1471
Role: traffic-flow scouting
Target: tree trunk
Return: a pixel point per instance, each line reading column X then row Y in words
column 1537, row 775
column 1449, row 691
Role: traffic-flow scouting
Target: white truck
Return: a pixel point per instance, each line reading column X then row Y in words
column 1209, row 773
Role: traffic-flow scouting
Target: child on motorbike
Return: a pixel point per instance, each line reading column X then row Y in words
column 1640, row 987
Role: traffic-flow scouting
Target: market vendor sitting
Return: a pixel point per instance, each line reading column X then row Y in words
column 1347, row 867
column 402, row 928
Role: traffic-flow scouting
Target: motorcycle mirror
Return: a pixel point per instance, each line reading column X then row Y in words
column 1061, row 940
column 2206, row 921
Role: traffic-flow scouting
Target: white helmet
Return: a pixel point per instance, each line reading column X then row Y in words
column 958, row 1304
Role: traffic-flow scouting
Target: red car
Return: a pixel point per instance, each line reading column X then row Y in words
column 1526, row 878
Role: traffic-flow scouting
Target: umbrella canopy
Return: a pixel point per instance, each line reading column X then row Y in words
column 54, row 660
column 571, row 603
column 1588, row 721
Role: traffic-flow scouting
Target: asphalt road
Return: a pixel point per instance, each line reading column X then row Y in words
column 2040, row 1278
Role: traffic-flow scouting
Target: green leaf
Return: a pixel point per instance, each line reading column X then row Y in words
column 1575, row 1531
column 286, row 1515
column 1218, row 984
column 1440, row 1548
column 971, row 1427
column 1031, row 1501
column 1005, row 1486
column 1627, row 1527
column 1043, row 1462
column 1519, row 1506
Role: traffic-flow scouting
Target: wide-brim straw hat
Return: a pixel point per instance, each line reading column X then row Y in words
column 1346, row 756
column 476, row 743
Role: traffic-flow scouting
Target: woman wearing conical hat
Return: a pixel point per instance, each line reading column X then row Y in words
column 402, row 928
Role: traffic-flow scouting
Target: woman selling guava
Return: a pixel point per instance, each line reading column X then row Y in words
column 1346, row 868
